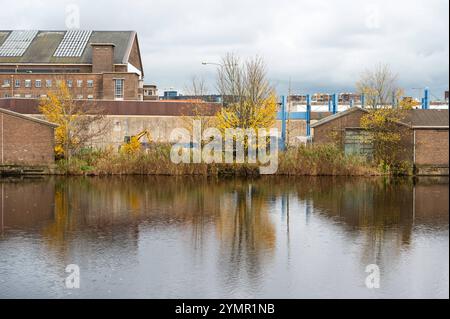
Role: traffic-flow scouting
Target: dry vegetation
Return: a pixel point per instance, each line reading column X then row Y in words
column 303, row 160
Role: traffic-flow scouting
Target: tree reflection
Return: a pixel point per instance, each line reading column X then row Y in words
column 246, row 232
column 241, row 216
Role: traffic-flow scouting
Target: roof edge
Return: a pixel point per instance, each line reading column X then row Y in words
column 338, row 115
column 27, row 117
column 129, row 47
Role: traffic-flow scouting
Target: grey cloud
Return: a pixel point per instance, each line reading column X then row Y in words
column 321, row 45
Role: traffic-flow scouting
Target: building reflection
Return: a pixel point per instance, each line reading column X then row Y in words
column 86, row 216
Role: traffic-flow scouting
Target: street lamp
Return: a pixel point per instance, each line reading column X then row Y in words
column 212, row 63
column 221, row 66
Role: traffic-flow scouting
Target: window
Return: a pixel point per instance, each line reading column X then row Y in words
column 48, row 83
column 69, row 83
column 7, row 95
column 38, row 83
column 17, row 83
column 6, row 83
column 27, row 83
column 79, row 97
column 118, row 89
column 80, row 83
column 28, row 96
column 90, row 96
column 90, row 83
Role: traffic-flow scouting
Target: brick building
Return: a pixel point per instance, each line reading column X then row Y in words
column 425, row 136
column 25, row 140
column 103, row 65
column 150, row 92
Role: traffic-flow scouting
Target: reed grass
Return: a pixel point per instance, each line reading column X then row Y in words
column 311, row 160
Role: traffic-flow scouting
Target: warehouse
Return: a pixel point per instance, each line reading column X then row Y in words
column 424, row 136
column 25, row 141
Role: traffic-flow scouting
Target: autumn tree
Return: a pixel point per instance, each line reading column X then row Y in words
column 379, row 86
column 78, row 121
column 201, row 112
column 384, row 127
column 250, row 101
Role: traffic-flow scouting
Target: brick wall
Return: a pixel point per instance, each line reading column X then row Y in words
column 36, row 92
column 102, row 58
column 432, row 147
column 103, row 85
column 334, row 130
column 135, row 57
column 25, row 142
column 131, row 85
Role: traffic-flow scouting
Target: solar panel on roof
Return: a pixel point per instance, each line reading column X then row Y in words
column 17, row 43
column 73, row 43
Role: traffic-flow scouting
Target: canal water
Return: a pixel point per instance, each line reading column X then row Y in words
column 168, row 237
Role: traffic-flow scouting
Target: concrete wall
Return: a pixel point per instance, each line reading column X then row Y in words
column 161, row 127
column 25, row 142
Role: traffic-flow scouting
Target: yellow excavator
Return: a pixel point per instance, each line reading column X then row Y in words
column 133, row 143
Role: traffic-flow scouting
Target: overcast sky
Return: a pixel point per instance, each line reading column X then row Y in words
column 320, row 45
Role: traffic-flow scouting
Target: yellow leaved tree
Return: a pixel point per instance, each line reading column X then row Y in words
column 386, row 114
column 79, row 122
column 250, row 101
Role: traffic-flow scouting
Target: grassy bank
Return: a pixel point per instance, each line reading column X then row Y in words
column 304, row 160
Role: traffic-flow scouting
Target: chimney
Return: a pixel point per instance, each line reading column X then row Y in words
column 102, row 57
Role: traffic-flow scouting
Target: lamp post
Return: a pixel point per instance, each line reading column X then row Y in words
column 221, row 66
column 212, row 63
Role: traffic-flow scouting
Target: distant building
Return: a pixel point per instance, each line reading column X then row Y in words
column 325, row 98
column 25, row 140
column 168, row 95
column 347, row 97
column 150, row 92
column 103, row 65
column 211, row 98
column 424, row 137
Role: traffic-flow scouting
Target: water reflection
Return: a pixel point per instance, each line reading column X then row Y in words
column 193, row 237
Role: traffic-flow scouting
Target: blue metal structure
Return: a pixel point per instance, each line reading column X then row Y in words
column 363, row 100
column 335, row 103
column 329, row 105
column 292, row 116
column 352, row 103
column 426, row 99
column 308, row 115
column 283, row 123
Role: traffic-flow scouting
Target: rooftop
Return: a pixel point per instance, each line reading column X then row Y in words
column 28, row 118
column 61, row 47
column 414, row 118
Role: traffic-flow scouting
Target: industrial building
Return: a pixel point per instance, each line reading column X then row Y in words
column 25, row 141
column 100, row 65
column 425, row 137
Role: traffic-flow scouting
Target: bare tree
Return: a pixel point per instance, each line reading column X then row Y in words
column 79, row 122
column 197, row 88
column 379, row 86
column 246, row 92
